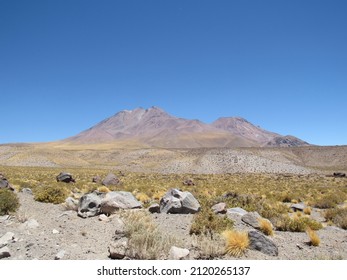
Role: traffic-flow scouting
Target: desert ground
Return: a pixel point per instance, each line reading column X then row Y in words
column 268, row 181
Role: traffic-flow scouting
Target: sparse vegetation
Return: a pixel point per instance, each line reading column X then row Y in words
column 207, row 223
column 296, row 224
column 146, row 241
column 338, row 216
column 8, row 202
column 51, row 194
column 314, row 238
column 266, row 226
column 236, row 242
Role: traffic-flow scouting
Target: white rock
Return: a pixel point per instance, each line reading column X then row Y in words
column 103, row 218
column 32, row 224
column 6, row 238
column 177, row 253
column 60, row 255
column 54, row 231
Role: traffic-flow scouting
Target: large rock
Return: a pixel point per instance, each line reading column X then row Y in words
column 261, row 243
column 178, row 202
column 111, row 180
column 114, row 201
column 65, row 177
column 4, row 184
column 89, row 205
column 237, row 210
column 252, row 219
column 177, row 253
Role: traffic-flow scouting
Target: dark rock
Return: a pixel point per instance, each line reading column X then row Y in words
column 339, row 175
column 111, row 180
column 4, row 184
column 65, row 177
column 252, row 219
column 154, row 208
column 189, row 182
column 261, row 243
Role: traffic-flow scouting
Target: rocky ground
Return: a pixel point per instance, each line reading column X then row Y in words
column 47, row 231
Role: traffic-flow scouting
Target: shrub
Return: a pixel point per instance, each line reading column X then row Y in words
column 103, row 189
column 265, row 226
column 307, row 211
column 314, row 238
column 142, row 197
column 51, row 194
column 209, row 248
column 296, row 224
column 338, row 216
column 8, row 202
column 330, row 200
column 206, row 222
column 146, row 241
column 236, row 242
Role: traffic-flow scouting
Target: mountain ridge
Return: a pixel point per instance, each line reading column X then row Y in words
column 156, row 128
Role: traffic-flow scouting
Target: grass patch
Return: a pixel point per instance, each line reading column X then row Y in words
column 236, row 242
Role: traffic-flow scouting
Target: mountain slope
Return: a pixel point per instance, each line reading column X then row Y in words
column 155, row 128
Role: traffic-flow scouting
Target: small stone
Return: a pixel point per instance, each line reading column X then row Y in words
column 32, row 224
column 60, row 255
column 5, row 252
column 118, row 248
column 103, row 218
column 219, row 208
column 177, row 253
column 27, row 191
column 154, row 208
column 6, row 238
column 299, row 246
column 298, row 207
column 54, row 231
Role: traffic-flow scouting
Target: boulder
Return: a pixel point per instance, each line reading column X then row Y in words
column 339, row 175
column 154, row 208
column 89, row 205
column 252, row 219
column 261, row 243
column 114, row 201
column 118, row 248
column 5, row 252
column 178, row 202
column 219, row 208
column 4, row 184
column 96, row 179
column 298, row 207
column 65, row 177
column 111, row 180
column 177, row 253
column 237, row 210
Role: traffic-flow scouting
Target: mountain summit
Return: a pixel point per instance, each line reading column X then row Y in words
column 156, row 128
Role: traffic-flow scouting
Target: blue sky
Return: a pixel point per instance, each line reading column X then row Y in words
column 66, row 65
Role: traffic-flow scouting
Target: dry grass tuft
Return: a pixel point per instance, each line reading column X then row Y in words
column 236, row 242
column 314, row 238
column 103, row 189
column 266, row 226
column 307, row 211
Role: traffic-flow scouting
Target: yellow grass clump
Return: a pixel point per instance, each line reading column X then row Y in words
column 236, row 242
column 307, row 211
column 314, row 238
column 103, row 189
column 144, row 198
column 266, row 226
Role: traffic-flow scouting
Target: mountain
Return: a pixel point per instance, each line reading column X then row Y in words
column 154, row 127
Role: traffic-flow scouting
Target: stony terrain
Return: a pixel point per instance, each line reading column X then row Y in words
column 47, row 231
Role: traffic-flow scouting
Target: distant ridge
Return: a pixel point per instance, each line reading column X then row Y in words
column 154, row 127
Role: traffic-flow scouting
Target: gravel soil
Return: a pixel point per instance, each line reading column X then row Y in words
column 61, row 234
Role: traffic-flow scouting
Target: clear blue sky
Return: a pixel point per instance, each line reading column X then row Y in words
column 66, row 65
